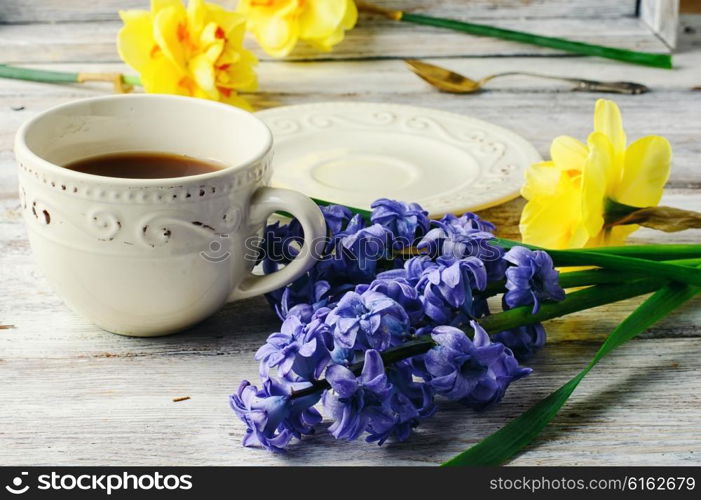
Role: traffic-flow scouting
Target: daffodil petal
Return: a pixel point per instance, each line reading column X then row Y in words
column 241, row 75
column 135, row 41
column 608, row 121
column 157, row 5
column 278, row 36
column 237, row 100
column 567, row 152
column 202, row 71
column 236, row 31
column 161, row 76
column 230, row 56
column 617, row 235
column 195, row 51
column 196, row 16
column 541, row 180
column 134, row 15
column 170, row 32
column 209, row 33
column 326, row 44
column 594, row 182
column 321, row 18
column 351, row 16
column 279, row 24
column 555, row 222
column 569, row 213
column 614, row 167
column 227, row 20
column 645, row 172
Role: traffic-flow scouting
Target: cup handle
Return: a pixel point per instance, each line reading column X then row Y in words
column 264, row 202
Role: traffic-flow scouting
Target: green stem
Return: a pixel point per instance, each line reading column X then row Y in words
column 663, row 270
column 132, row 80
column 574, row 279
column 609, row 260
column 37, row 75
column 646, row 252
column 365, row 214
column 630, row 56
column 590, row 277
column 512, row 438
column 51, row 76
column 520, row 316
column 685, row 262
column 595, row 277
column 575, row 301
column 649, row 252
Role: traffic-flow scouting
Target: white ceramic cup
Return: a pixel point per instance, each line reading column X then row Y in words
column 149, row 257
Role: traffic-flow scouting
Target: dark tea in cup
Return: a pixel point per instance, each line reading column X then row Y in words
column 144, row 165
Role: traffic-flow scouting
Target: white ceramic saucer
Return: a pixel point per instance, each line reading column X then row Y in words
column 353, row 153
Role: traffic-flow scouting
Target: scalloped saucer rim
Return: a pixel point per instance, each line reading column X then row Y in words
column 354, row 152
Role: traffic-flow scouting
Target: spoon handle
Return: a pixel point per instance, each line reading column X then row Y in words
column 614, row 87
column 584, row 85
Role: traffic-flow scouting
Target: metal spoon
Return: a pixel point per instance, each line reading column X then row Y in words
column 450, row 81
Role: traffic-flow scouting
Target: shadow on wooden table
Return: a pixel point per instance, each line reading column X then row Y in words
column 255, row 316
column 448, row 431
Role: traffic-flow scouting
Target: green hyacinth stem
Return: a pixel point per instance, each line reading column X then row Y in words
column 649, row 252
column 576, row 301
column 620, row 260
column 590, row 277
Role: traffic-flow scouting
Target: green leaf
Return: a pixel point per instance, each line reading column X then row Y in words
column 650, row 252
column 665, row 270
column 574, row 301
column 365, row 214
column 509, row 440
column 635, row 57
column 589, row 277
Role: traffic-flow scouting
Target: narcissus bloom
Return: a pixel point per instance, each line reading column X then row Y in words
column 195, row 51
column 279, row 24
column 568, row 196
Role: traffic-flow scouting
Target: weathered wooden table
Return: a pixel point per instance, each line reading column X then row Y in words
column 73, row 394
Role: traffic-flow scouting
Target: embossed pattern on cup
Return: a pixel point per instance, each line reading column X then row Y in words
column 151, row 256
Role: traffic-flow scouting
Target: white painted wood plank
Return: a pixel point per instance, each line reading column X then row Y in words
column 539, row 117
column 28, row 11
column 118, row 410
column 95, row 41
column 689, row 32
column 45, row 328
column 62, row 376
column 663, row 18
column 29, row 303
column 388, row 76
column 537, row 109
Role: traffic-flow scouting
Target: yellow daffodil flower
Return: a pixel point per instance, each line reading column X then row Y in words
column 279, row 24
column 195, row 51
column 568, row 196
